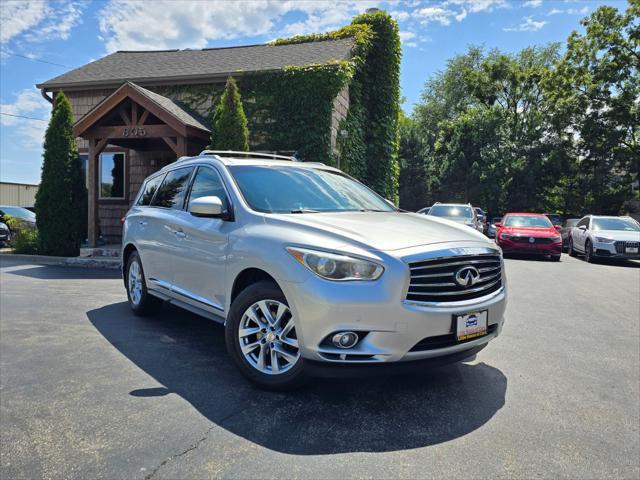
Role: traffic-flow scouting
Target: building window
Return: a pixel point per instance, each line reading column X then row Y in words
column 112, row 173
column 84, row 165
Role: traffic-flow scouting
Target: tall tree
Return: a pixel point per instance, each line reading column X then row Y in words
column 60, row 200
column 229, row 122
column 594, row 93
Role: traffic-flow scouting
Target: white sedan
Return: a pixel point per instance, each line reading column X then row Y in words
column 605, row 237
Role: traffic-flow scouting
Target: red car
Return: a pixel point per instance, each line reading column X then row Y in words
column 529, row 233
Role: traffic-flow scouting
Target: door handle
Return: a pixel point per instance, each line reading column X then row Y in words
column 180, row 234
column 143, row 223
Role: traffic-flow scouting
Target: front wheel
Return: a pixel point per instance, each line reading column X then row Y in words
column 262, row 340
column 588, row 252
column 571, row 250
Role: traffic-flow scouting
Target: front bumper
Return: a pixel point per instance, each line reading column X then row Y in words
column 394, row 326
column 608, row 250
column 509, row 246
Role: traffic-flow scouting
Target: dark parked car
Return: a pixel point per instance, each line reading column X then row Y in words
column 491, row 227
column 565, row 231
column 482, row 218
column 555, row 218
column 22, row 214
column 5, row 234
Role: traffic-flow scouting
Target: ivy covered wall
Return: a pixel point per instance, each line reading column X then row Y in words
column 291, row 110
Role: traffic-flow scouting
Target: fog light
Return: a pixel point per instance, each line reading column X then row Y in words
column 345, row 339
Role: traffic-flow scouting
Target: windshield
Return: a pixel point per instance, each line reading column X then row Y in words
column 459, row 211
column 275, row 189
column 527, row 221
column 626, row 224
column 18, row 212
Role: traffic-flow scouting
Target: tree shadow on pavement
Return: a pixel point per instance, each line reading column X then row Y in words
column 53, row 272
column 186, row 354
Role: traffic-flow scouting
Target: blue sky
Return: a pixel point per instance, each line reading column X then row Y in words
column 70, row 33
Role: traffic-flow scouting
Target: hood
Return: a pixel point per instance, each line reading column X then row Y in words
column 531, row 232
column 381, row 230
column 621, row 235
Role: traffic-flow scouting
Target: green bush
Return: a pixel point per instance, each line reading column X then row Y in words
column 61, row 199
column 24, row 239
column 229, row 122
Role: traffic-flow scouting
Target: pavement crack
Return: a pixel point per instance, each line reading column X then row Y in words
column 195, row 445
column 178, row 455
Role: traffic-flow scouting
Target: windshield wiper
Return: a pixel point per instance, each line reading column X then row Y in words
column 372, row 210
column 304, row 210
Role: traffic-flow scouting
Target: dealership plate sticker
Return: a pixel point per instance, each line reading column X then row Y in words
column 471, row 325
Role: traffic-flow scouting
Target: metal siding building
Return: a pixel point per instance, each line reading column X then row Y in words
column 18, row 194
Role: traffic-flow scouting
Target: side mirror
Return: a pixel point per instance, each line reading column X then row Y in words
column 582, row 227
column 497, row 224
column 206, row 207
column 558, row 227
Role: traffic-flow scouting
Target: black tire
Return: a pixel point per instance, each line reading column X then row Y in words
column 264, row 290
column 572, row 252
column 555, row 258
column 147, row 304
column 588, row 252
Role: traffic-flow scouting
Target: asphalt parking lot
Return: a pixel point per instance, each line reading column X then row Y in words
column 87, row 390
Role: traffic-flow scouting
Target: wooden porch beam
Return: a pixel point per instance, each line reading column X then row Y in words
column 143, row 117
column 173, row 145
column 124, row 116
column 134, row 113
column 92, row 210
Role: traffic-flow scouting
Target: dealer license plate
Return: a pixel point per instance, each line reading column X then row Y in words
column 631, row 250
column 471, row 325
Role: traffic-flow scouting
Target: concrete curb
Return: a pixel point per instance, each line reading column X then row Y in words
column 84, row 262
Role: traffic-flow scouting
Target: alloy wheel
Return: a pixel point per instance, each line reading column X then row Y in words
column 267, row 337
column 135, row 282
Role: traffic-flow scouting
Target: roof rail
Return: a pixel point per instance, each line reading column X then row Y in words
column 234, row 153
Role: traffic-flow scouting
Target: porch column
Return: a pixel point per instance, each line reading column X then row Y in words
column 95, row 148
column 92, row 210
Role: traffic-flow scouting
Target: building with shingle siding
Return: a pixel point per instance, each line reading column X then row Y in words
column 137, row 111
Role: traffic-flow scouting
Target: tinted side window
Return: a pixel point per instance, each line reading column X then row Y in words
column 173, row 189
column 584, row 221
column 207, row 183
column 149, row 190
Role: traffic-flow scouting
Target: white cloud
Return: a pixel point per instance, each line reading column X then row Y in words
column 533, row 3
column 193, row 24
column 475, row 6
column 529, row 25
column 400, row 15
column 39, row 20
column 27, row 103
column 434, row 14
column 406, row 36
column 569, row 11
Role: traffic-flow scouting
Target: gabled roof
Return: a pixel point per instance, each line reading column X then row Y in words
column 164, row 108
column 187, row 66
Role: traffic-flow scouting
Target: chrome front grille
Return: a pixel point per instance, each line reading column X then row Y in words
column 435, row 280
column 622, row 246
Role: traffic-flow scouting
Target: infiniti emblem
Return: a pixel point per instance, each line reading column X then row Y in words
column 467, row 276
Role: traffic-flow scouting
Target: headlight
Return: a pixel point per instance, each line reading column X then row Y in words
column 557, row 239
column 332, row 266
column 604, row 240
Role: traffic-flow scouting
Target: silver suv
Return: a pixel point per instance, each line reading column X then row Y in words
column 310, row 272
column 457, row 212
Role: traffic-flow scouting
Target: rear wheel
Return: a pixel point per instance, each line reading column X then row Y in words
column 570, row 249
column 261, row 338
column 139, row 299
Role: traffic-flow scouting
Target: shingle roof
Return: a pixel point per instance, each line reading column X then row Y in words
column 188, row 65
column 186, row 117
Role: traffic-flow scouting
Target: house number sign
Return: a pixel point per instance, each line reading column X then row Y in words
column 134, row 132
